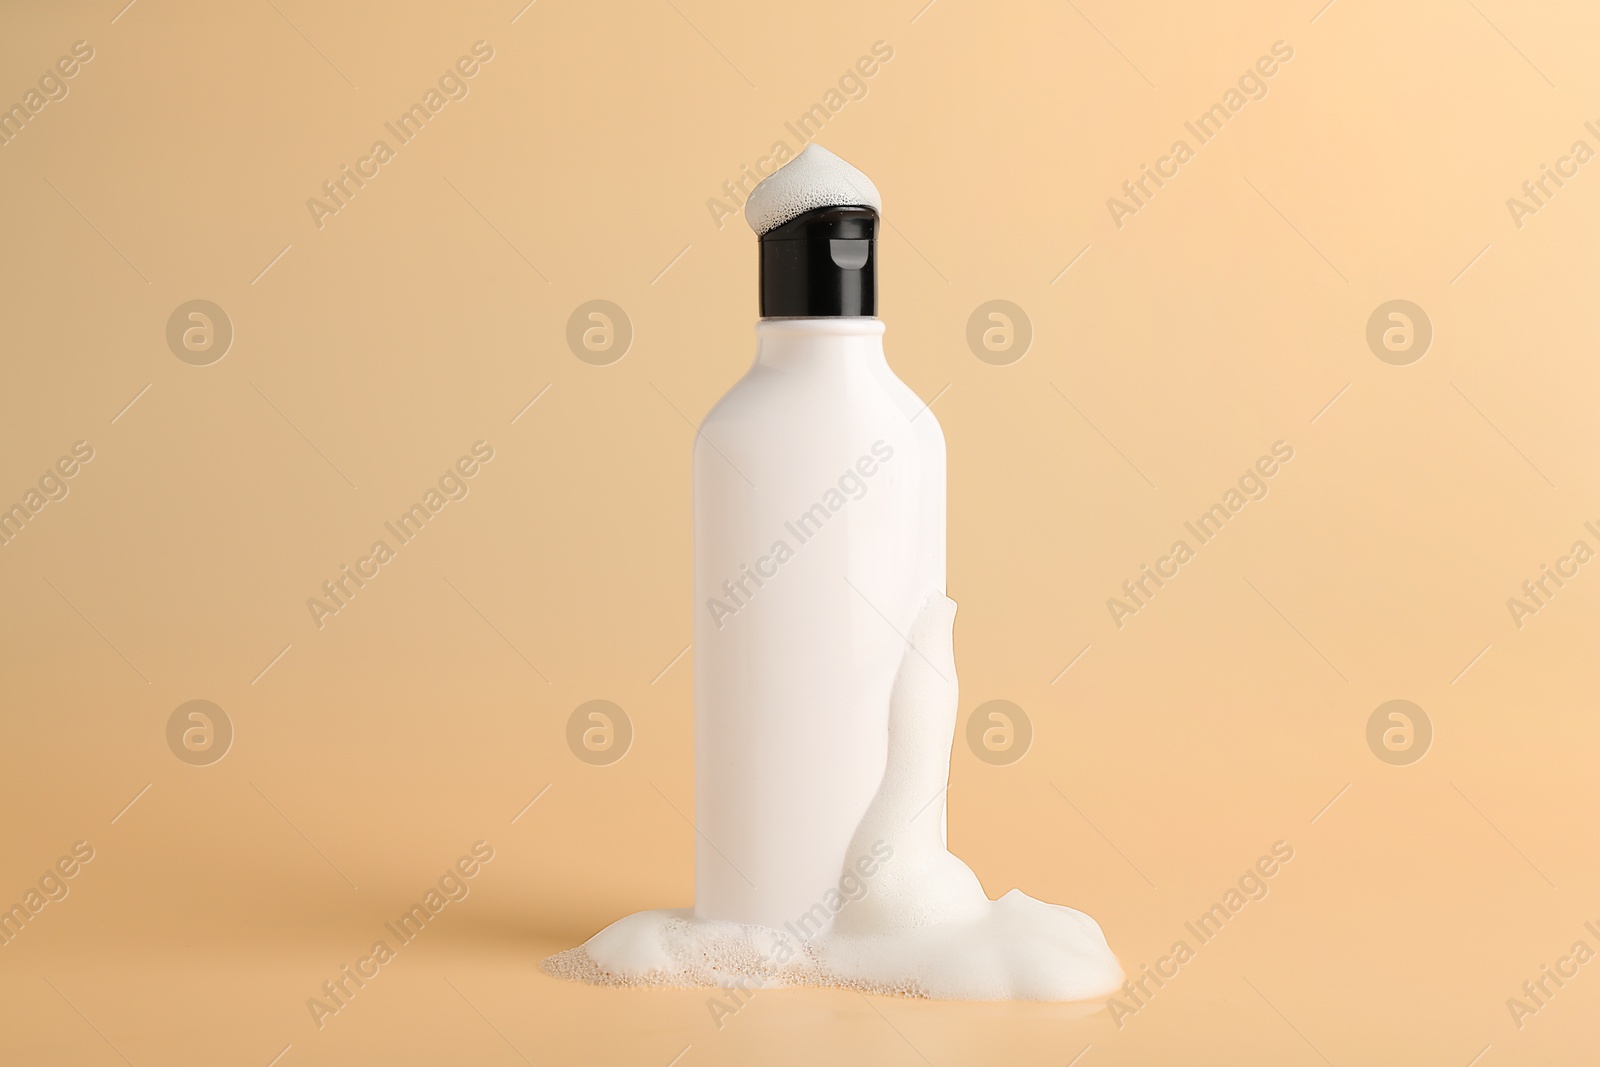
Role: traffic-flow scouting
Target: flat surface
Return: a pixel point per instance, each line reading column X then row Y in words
column 1173, row 335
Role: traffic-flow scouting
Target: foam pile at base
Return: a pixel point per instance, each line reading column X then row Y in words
column 908, row 918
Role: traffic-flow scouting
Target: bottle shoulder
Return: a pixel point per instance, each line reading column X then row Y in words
column 774, row 388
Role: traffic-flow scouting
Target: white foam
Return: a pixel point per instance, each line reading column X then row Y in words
column 919, row 924
column 815, row 178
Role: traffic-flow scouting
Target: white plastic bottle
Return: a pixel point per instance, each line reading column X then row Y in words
column 819, row 531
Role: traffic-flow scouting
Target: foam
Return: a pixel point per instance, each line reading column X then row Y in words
column 921, row 926
column 815, row 178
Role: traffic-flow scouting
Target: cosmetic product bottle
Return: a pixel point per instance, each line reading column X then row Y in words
column 819, row 532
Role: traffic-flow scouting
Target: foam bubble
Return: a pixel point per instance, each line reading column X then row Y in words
column 815, row 178
column 919, row 923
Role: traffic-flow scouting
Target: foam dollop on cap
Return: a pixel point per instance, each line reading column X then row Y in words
column 814, row 179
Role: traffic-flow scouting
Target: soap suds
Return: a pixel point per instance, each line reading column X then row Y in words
column 909, row 917
column 815, row 178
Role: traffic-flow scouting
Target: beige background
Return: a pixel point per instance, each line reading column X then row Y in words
column 369, row 354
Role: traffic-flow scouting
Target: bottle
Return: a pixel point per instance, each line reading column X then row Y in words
column 819, row 532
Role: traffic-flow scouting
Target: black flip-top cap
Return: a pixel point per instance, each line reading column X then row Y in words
column 821, row 264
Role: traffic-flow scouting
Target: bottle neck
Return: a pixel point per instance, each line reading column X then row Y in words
column 857, row 340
